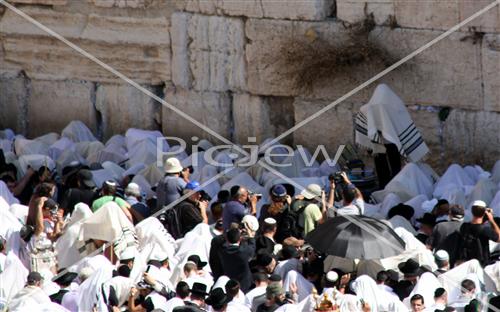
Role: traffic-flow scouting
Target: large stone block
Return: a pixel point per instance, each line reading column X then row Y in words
column 472, row 137
column 210, row 109
column 487, row 22
column 429, row 14
column 134, row 4
column 491, row 70
column 14, row 93
column 53, row 104
column 332, row 128
column 353, row 11
column 276, row 9
column 261, row 117
column 208, row 52
column 138, row 48
column 124, row 106
column 42, row 2
column 446, row 74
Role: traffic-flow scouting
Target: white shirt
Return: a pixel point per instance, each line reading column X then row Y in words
column 354, row 208
column 234, row 306
column 283, row 267
column 257, row 291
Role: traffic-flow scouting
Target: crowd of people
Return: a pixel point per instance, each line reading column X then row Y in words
column 68, row 244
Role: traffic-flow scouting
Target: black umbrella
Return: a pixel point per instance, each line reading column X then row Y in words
column 356, row 237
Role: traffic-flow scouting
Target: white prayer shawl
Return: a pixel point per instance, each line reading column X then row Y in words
column 454, row 176
column 495, row 204
column 373, row 211
column 134, row 170
column 304, row 287
column 7, row 196
column 401, row 222
column 293, row 165
column 30, row 147
column 390, row 200
column 161, row 276
column 408, row 183
column 58, row 147
column 455, row 195
column 101, row 175
column 77, row 131
column 178, row 151
column 133, row 136
column 67, row 246
column 28, row 296
column 6, row 145
column 9, row 229
column 109, row 153
column 152, row 174
column 367, row 290
column 195, row 242
column 385, row 119
column 35, row 161
column 117, row 140
column 110, row 224
column 48, row 138
column 484, row 190
column 150, row 231
column 88, row 148
column 413, row 249
column 115, row 169
column 13, row 276
column 95, row 263
column 67, row 157
column 90, row 292
column 350, row 303
column 472, row 269
column 143, row 152
column 493, row 271
column 122, row 286
column 495, row 172
column 426, row 285
column 207, row 173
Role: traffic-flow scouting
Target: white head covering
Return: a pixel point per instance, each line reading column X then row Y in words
column 426, row 286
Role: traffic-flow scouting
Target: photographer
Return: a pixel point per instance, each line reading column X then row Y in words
column 236, row 208
column 352, row 199
column 192, row 210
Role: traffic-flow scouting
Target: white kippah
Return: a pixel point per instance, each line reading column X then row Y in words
column 442, row 255
column 270, row 221
column 332, row 276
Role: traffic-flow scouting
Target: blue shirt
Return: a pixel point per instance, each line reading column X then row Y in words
column 233, row 211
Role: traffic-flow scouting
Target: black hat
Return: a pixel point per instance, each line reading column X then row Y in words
column 199, row 289
column 86, row 178
column 64, row 279
column 34, row 277
column 406, row 211
column 409, row 268
column 196, row 259
column 217, row 298
column 427, row 219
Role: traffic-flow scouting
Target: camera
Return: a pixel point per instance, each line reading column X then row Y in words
column 258, row 195
column 336, row 177
column 204, row 196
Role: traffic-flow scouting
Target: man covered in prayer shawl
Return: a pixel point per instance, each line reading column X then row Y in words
column 31, row 294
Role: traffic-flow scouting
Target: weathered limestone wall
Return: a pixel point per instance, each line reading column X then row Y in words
column 227, row 64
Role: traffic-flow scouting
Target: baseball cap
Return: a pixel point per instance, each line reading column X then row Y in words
column 278, row 190
column 479, row 203
column 193, row 185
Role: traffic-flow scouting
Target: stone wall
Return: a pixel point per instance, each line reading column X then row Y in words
column 228, row 65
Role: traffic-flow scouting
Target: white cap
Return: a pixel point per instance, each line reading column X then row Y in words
column 332, row 276
column 270, row 221
column 479, row 203
column 133, row 189
column 173, row 165
column 252, row 222
column 442, row 255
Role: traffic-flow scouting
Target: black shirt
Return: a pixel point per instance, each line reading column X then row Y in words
column 485, row 233
column 77, row 195
column 189, row 215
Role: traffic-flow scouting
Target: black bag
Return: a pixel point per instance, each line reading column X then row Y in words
column 171, row 221
column 470, row 245
column 293, row 219
column 27, row 232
